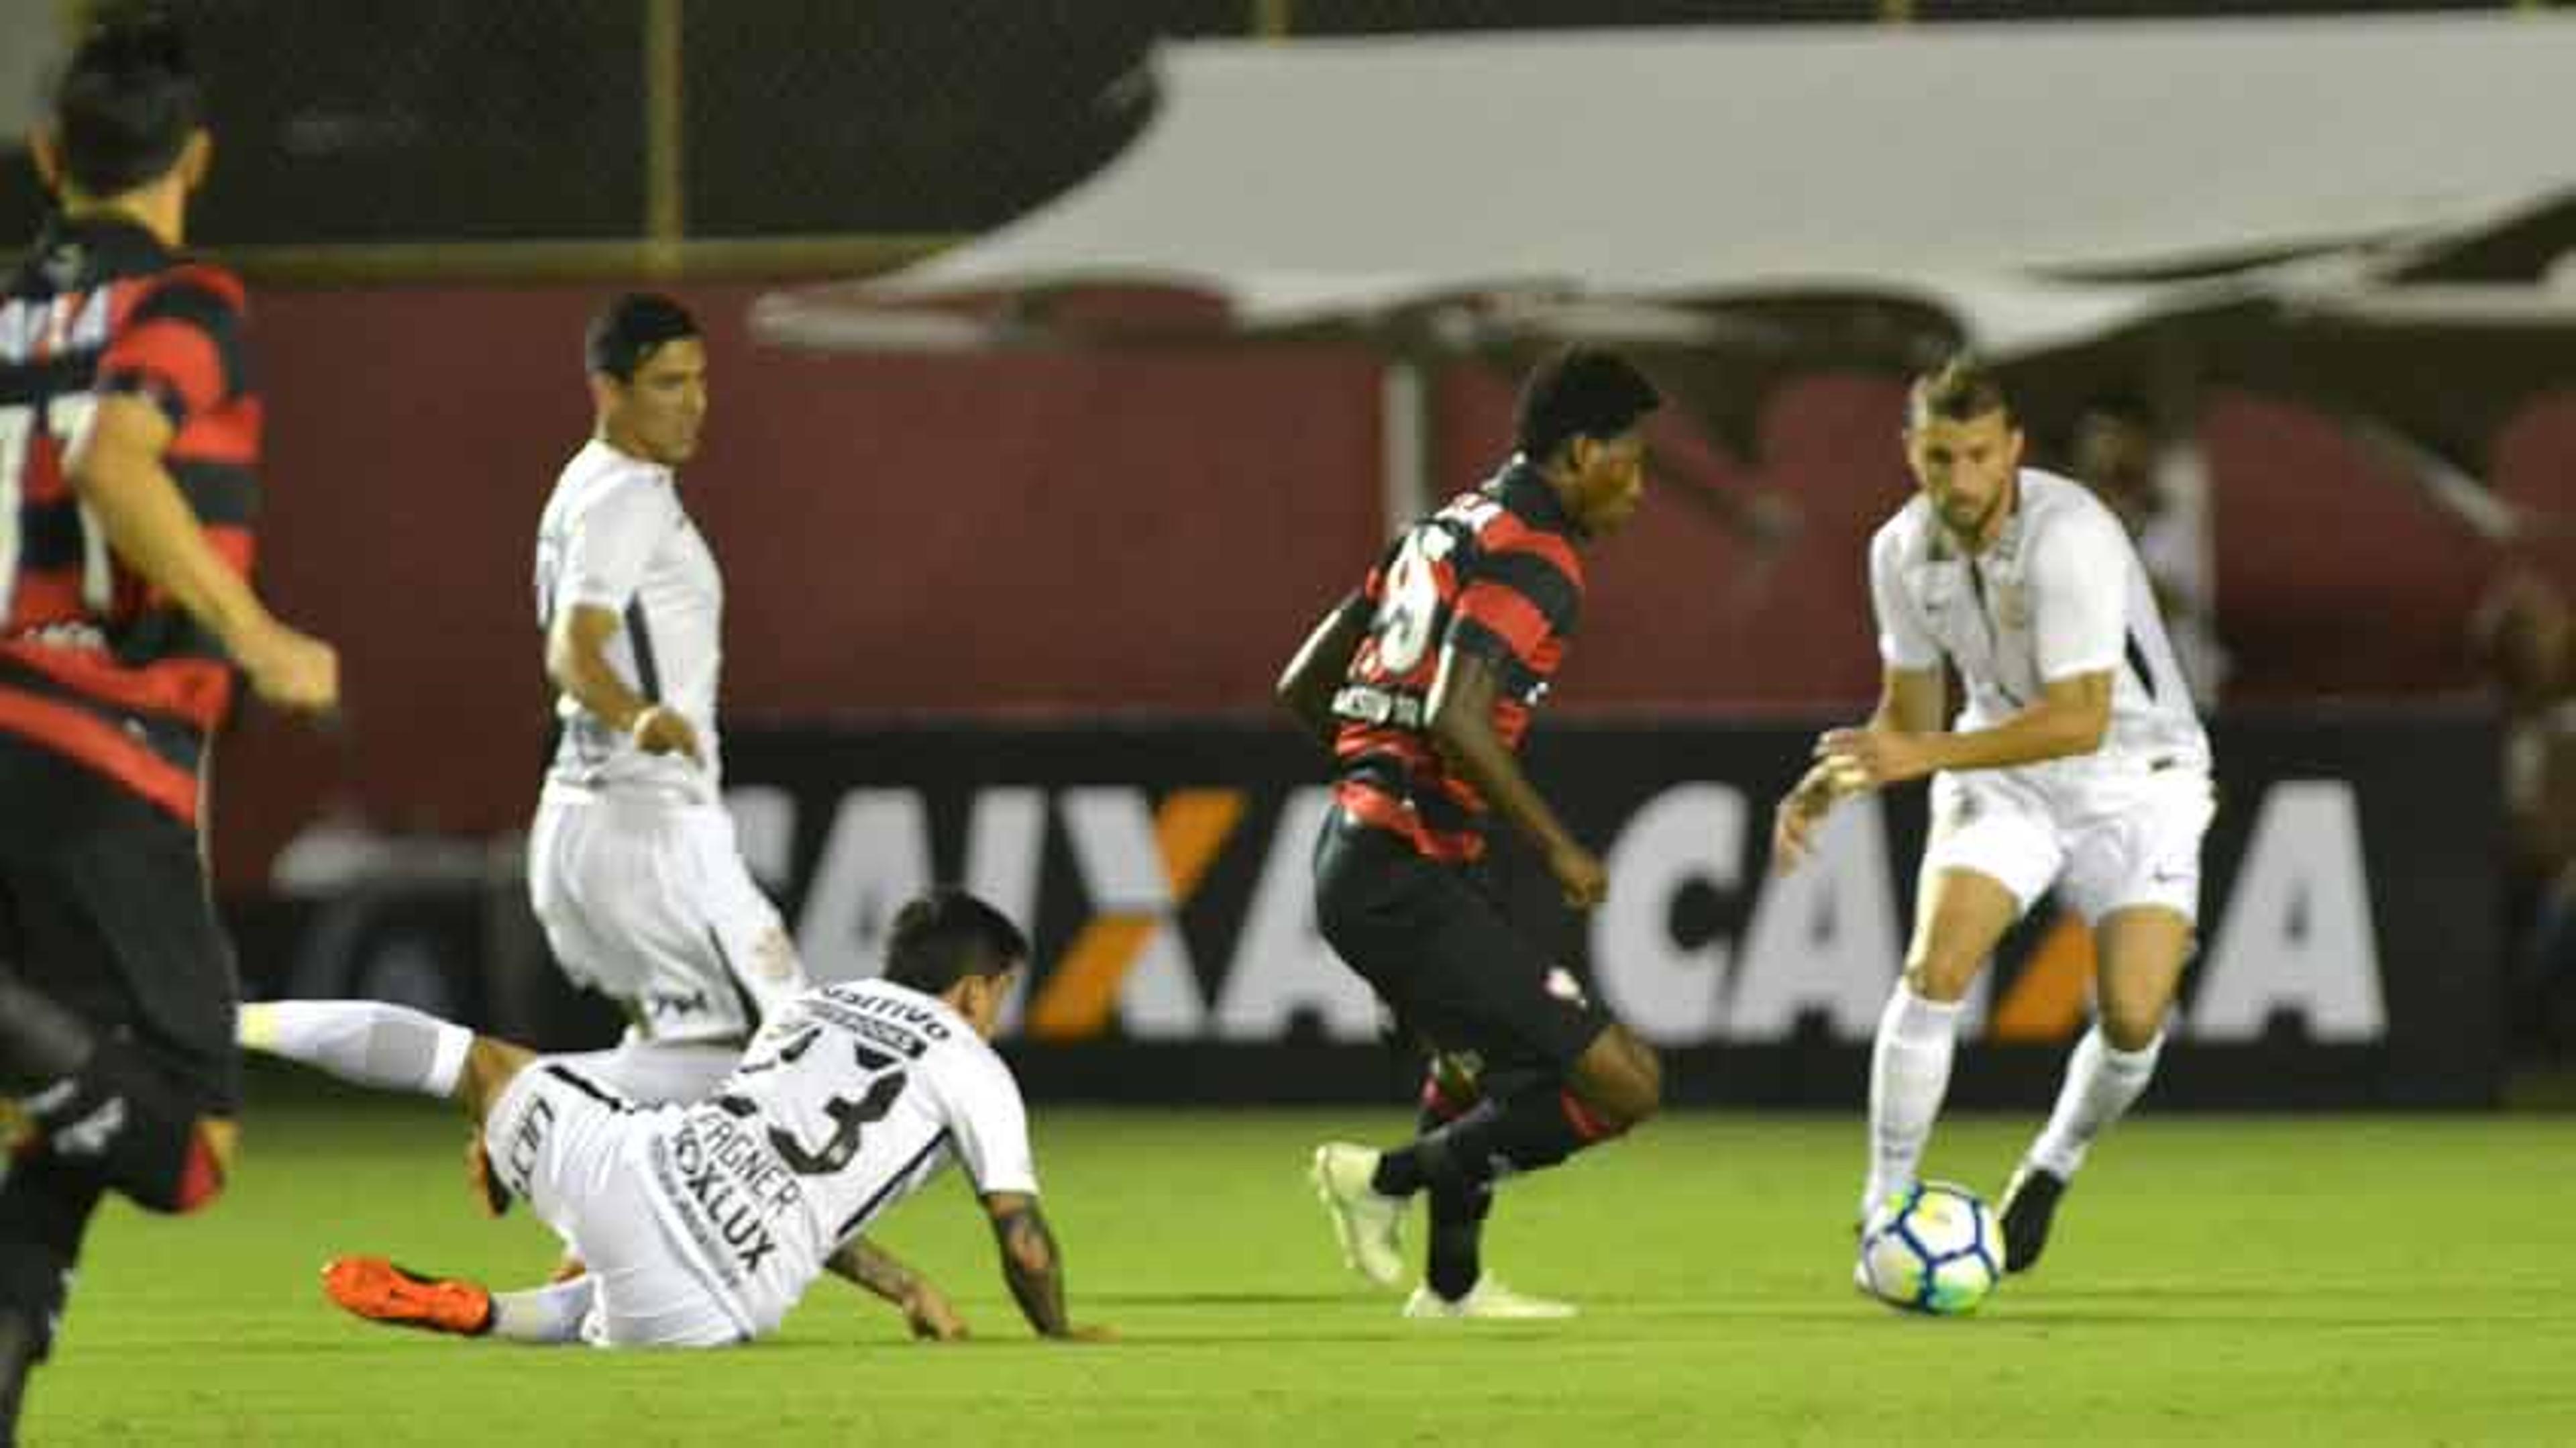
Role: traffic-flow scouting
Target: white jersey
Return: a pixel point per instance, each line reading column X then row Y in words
column 851, row 1099
column 2060, row 593
column 614, row 536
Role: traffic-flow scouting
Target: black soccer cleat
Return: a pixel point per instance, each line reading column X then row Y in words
column 2030, row 1203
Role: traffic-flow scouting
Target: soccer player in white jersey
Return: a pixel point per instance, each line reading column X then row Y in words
column 2077, row 763
column 632, row 864
column 702, row 1224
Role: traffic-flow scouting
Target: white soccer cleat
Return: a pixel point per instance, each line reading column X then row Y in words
column 1367, row 1223
column 1489, row 1301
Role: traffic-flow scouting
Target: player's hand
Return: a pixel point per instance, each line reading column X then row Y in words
column 289, row 670
column 1793, row 828
column 931, row 1316
column 1871, row 758
column 1802, row 811
column 1579, row 875
column 663, row 730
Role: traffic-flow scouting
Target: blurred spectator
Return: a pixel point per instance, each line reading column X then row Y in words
column 2151, row 474
column 2523, row 639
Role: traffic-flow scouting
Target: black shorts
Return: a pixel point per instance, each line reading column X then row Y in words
column 1438, row 951
column 103, row 907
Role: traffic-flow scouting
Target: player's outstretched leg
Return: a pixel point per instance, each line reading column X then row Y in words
column 393, row 1048
column 381, row 1291
column 365, row 1043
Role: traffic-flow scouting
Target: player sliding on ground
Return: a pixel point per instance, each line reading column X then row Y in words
column 2077, row 762
column 701, row 1225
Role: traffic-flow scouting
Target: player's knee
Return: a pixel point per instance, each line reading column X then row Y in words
column 2131, row 1029
column 1624, row 1085
column 1939, row 974
column 491, row 1064
column 1646, row 1073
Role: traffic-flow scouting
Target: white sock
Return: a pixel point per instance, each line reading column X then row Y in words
column 368, row 1043
column 2101, row 1085
column 549, row 1314
column 1909, row 1073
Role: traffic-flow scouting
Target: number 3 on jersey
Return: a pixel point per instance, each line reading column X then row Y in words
column 65, row 419
column 850, row 1115
column 1410, row 604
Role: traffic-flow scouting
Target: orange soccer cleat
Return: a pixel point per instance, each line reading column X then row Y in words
column 379, row 1291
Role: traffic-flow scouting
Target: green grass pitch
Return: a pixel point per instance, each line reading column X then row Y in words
column 2245, row 1281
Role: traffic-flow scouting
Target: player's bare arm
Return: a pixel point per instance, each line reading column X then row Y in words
column 1909, row 702
column 926, row 1310
column 2070, row 718
column 577, row 661
column 119, row 473
column 1033, row 1266
column 1306, row 686
column 1461, row 723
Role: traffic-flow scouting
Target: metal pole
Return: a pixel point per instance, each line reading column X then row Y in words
column 665, row 135
column 1404, row 451
column 1271, row 19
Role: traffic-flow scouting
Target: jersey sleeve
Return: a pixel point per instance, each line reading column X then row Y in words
column 989, row 1126
column 2079, row 582
column 608, row 546
column 1905, row 641
column 181, row 346
column 1511, row 602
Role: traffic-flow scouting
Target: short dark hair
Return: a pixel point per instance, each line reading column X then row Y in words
column 947, row 935
column 627, row 331
column 1959, row 389
column 1580, row 392
column 127, row 103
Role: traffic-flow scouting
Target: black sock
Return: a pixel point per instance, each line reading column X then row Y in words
column 1526, row 1132
column 1405, row 1170
column 1457, row 1228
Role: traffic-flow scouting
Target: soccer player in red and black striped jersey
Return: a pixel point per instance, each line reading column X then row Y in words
column 129, row 429
column 1423, row 683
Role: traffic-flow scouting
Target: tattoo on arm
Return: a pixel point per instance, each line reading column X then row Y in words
column 875, row 1269
column 1030, row 1262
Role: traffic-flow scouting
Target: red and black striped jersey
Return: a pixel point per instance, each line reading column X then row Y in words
column 96, row 664
column 1493, row 574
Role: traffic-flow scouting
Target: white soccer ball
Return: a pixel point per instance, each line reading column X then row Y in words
column 1935, row 1248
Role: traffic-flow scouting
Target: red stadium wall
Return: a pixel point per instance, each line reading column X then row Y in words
column 1083, row 534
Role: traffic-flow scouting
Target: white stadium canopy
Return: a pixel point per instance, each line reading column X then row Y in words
column 1976, row 168
column 1742, row 204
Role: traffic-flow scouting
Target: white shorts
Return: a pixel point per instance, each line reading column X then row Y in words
column 649, row 902
column 572, row 1150
column 2116, row 839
